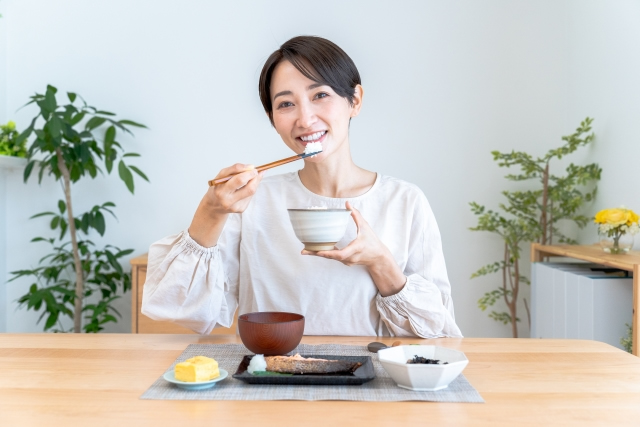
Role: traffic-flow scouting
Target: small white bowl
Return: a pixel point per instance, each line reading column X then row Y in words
column 319, row 229
column 420, row 377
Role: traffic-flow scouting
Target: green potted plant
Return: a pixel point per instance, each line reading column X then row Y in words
column 533, row 215
column 76, row 279
column 8, row 141
column 12, row 153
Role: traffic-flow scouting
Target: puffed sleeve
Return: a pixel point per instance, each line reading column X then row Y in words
column 193, row 286
column 424, row 306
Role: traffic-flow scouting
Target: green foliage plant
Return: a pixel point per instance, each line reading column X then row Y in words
column 8, row 141
column 627, row 342
column 68, row 148
column 534, row 215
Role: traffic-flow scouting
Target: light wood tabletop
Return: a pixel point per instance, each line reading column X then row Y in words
column 94, row 380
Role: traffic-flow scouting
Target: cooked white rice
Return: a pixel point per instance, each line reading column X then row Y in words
column 312, row 147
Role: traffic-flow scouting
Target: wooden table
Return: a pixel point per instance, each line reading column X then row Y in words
column 94, row 380
column 595, row 254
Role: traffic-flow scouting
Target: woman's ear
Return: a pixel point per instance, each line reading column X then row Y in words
column 357, row 100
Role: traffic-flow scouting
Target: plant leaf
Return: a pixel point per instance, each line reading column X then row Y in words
column 50, row 99
column 139, row 172
column 98, row 223
column 109, row 137
column 124, row 253
column 28, row 169
column 77, row 118
column 25, row 134
column 54, row 222
column 41, row 214
column 51, row 320
column 94, row 122
column 131, row 123
column 125, row 175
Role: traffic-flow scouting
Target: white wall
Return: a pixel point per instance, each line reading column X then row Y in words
column 445, row 83
column 604, row 70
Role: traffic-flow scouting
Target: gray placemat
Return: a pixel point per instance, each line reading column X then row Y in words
column 381, row 389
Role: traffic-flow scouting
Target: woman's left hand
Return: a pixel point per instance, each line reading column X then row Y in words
column 368, row 250
column 365, row 250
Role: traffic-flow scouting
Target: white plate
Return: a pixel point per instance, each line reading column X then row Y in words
column 200, row 385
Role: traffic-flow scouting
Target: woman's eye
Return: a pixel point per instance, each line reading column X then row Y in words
column 285, row 104
column 321, row 95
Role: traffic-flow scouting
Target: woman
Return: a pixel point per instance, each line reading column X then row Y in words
column 240, row 251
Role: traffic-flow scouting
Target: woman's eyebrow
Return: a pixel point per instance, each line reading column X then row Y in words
column 284, row 92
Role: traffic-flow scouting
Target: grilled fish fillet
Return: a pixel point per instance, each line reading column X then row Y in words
column 307, row 365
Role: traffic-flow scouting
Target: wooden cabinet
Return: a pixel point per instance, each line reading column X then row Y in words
column 593, row 253
column 141, row 324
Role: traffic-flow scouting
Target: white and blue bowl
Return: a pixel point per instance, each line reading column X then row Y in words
column 422, row 377
column 319, row 229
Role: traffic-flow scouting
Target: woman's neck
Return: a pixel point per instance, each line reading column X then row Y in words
column 337, row 176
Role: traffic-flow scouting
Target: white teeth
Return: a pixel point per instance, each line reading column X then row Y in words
column 312, row 137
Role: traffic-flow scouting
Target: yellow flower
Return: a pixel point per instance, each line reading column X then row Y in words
column 616, row 217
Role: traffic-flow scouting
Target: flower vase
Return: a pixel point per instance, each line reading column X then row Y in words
column 615, row 242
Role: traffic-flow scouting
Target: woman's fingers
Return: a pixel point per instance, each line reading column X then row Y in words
column 249, row 188
column 357, row 217
column 240, row 180
column 234, row 195
column 347, row 255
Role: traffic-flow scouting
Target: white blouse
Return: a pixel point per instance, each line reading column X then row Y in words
column 257, row 266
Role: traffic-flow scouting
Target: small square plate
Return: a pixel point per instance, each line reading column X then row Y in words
column 360, row 376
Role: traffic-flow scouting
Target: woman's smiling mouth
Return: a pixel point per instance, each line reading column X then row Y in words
column 314, row 137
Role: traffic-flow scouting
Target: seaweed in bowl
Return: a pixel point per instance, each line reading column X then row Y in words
column 419, row 360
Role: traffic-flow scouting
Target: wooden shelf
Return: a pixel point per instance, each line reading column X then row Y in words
column 594, row 254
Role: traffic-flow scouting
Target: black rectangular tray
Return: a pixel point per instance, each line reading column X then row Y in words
column 360, row 376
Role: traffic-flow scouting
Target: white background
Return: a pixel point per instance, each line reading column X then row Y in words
column 445, row 84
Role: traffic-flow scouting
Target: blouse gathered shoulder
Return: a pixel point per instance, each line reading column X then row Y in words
column 257, row 266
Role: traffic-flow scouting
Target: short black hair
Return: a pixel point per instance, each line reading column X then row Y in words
column 317, row 59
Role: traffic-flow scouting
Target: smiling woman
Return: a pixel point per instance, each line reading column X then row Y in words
column 241, row 253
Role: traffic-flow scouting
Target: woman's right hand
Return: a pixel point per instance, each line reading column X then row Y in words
column 220, row 200
column 234, row 195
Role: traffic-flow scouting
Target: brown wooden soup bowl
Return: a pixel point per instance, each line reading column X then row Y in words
column 271, row 333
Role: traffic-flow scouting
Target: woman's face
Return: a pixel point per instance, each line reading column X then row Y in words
column 305, row 111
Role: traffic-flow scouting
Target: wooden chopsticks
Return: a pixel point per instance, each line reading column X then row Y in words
column 264, row 167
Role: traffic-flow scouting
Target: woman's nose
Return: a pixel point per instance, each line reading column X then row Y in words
column 306, row 116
